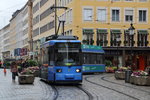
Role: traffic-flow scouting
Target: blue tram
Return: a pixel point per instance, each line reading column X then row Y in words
column 61, row 59
column 93, row 59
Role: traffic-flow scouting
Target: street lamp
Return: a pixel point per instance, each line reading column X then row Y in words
column 118, row 40
column 131, row 34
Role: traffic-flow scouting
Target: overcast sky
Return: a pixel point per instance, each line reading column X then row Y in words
column 7, row 8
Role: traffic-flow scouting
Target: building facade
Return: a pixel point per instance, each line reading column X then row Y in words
column 96, row 22
column 43, row 22
column 5, row 42
column 106, row 22
column 14, row 36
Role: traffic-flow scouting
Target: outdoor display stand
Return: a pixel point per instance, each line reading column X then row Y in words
column 25, row 79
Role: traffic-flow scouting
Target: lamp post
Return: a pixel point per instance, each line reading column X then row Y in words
column 117, row 40
column 131, row 34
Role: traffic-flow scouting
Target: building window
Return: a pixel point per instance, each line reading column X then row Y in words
column 115, row 34
column 115, row 0
column 46, row 13
column 101, row 15
column 87, row 14
column 142, row 15
column 115, row 15
column 142, row 38
column 42, row 2
column 102, row 37
column 36, row 32
column 88, row 36
column 36, row 20
column 36, row 8
column 128, row 15
column 142, row 0
column 129, row 0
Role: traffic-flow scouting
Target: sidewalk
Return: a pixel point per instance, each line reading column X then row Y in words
column 10, row 90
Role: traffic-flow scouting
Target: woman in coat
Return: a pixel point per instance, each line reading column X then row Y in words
column 14, row 70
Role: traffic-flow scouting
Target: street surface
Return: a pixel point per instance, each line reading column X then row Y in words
column 94, row 87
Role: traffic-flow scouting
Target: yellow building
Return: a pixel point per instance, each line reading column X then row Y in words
column 106, row 23
column 100, row 22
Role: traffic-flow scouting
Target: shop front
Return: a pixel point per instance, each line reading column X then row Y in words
column 138, row 58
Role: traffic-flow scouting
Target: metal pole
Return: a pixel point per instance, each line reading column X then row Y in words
column 131, row 49
column 117, row 56
column 63, row 22
column 56, row 18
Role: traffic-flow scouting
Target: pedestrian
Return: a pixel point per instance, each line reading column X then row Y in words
column 14, row 70
column 5, row 71
column 0, row 63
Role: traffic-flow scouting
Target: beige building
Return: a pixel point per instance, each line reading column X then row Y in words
column 43, row 21
column 5, row 42
column 103, row 23
column 14, row 37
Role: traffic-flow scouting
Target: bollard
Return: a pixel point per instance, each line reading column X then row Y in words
column 127, row 76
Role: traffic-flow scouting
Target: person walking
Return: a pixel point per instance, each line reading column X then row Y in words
column 14, row 70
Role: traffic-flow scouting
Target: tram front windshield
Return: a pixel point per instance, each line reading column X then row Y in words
column 67, row 54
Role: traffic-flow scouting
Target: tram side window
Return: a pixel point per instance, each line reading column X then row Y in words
column 93, row 59
column 45, row 56
column 86, row 58
column 51, row 55
column 100, row 59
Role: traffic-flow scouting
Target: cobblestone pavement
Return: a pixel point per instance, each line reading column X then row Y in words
column 106, row 87
column 10, row 90
column 111, row 89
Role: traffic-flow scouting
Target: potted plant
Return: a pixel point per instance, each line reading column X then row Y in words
column 109, row 69
column 140, row 78
column 26, row 76
column 120, row 73
column 35, row 70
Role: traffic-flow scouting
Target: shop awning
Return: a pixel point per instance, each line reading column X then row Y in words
column 102, row 31
column 142, row 32
column 116, row 31
column 88, row 31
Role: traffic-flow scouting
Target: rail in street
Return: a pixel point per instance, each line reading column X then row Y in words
column 94, row 87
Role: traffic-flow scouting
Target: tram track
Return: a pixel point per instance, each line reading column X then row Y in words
column 47, row 96
column 56, row 93
column 87, row 79
column 104, row 79
column 86, row 92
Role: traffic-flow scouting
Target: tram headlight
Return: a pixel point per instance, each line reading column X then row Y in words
column 58, row 70
column 78, row 70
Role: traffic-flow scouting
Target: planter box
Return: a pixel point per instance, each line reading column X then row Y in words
column 26, row 79
column 36, row 73
column 120, row 75
column 132, row 79
column 142, row 80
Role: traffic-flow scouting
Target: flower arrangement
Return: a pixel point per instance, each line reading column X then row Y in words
column 139, row 73
column 30, row 70
column 34, row 68
column 27, row 71
column 109, row 69
column 122, row 69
